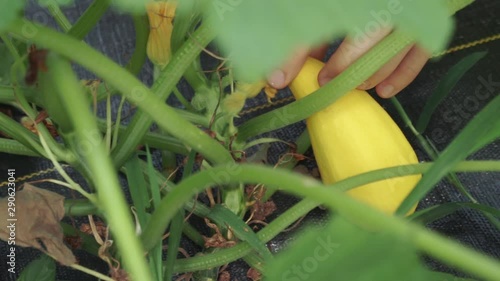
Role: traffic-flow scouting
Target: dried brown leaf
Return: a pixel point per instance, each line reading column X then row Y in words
column 37, row 213
column 254, row 274
column 224, row 276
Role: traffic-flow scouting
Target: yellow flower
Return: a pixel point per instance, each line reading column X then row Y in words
column 161, row 15
column 253, row 89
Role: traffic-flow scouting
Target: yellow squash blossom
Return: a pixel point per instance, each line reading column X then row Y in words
column 161, row 15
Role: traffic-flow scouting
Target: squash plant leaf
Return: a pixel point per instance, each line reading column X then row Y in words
column 259, row 35
column 445, row 86
column 131, row 6
column 485, row 127
column 6, row 57
column 342, row 251
column 10, row 11
column 433, row 213
column 41, row 269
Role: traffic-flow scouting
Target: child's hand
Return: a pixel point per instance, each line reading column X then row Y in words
column 395, row 75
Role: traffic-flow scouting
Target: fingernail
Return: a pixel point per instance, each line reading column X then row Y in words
column 277, row 79
column 386, row 91
column 323, row 80
column 364, row 86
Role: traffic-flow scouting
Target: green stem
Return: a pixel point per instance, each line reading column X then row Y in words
column 117, row 124
column 163, row 86
column 15, row 147
column 89, row 19
column 347, row 80
column 61, row 153
column 433, row 154
column 110, row 195
column 152, row 106
column 141, row 26
column 79, row 207
column 91, row 272
column 7, row 95
column 21, row 134
column 303, row 143
column 183, row 100
column 429, row 149
column 435, row 245
column 59, row 16
column 13, row 51
column 154, row 140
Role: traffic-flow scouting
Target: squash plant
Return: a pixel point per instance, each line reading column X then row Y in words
column 43, row 85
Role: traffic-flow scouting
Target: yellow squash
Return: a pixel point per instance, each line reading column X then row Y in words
column 356, row 135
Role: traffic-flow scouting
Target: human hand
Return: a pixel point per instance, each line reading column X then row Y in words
column 393, row 77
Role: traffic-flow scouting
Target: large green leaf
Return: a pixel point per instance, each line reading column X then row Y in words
column 260, row 34
column 10, row 11
column 41, row 269
column 342, row 251
column 484, row 128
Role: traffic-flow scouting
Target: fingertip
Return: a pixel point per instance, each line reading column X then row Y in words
column 386, row 90
column 326, row 74
column 281, row 77
column 364, row 86
column 277, row 79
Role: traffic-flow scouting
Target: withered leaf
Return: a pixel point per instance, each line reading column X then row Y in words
column 38, row 212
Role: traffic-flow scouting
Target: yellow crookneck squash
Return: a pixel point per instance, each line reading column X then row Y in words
column 356, row 135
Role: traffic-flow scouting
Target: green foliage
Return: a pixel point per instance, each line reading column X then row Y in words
column 283, row 25
column 46, row 3
column 482, row 129
column 445, row 86
column 10, row 11
column 5, row 66
column 342, row 251
column 131, row 6
column 41, row 269
column 433, row 213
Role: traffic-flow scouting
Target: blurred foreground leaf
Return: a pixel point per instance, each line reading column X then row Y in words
column 342, row 251
column 261, row 34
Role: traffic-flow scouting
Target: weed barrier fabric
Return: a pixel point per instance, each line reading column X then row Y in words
column 478, row 29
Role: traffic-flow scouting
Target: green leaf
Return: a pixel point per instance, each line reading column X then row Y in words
column 433, row 213
column 281, row 26
column 226, row 218
column 487, row 139
column 7, row 61
column 479, row 128
column 348, row 253
column 41, row 269
column 45, row 3
column 439, row 276
column 10, row 11
column 131, row 6
column 445, row 86
column 138, row 191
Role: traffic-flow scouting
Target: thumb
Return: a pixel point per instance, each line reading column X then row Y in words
column 281, row 77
